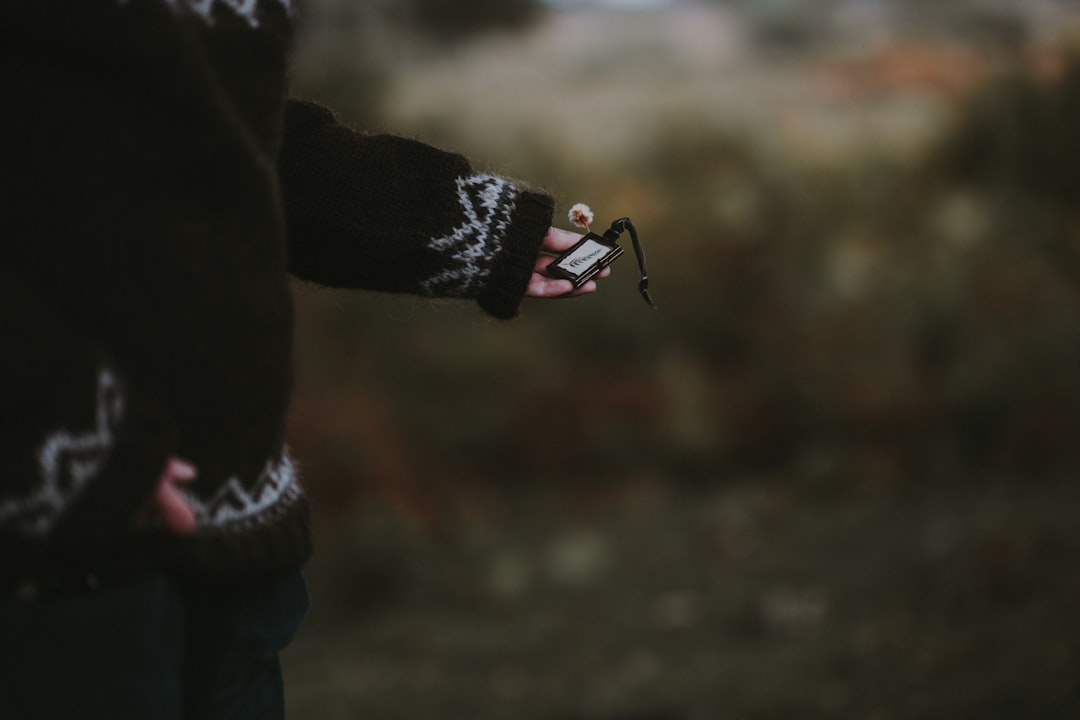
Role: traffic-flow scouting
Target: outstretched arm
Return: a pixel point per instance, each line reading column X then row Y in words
column 388, row 213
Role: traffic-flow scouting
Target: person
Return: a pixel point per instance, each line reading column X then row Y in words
column 157, row 189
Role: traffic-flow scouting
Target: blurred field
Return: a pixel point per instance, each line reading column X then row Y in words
column 599, row 84
column 833, row 476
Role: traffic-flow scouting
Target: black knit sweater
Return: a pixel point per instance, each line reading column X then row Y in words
column 156, row 188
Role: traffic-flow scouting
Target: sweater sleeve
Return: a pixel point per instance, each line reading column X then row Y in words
column 388, row 213
column 80, row 451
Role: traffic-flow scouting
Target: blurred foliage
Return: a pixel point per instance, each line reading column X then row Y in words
column 790, row 28
column 915, row 320
column 841, row 455
column 345, row 49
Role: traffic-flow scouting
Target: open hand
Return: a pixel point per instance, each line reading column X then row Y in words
column 542, row 286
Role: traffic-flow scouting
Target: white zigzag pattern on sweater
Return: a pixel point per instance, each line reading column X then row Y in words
column 246, row 9
column 233, row 503
column 68, row 463
column 487, row 201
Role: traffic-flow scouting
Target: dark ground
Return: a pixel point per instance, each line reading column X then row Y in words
column 753, row 599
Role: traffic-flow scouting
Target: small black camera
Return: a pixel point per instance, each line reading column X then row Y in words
column 595, row 252
column 585, row 259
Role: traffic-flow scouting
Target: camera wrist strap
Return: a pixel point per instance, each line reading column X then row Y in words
column 613, row 234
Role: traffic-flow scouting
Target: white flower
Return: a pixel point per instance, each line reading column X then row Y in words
column 581, row 215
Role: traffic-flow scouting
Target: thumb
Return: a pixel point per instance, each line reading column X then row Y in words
column 172, row 507
column 174, row 510
column 179, row 470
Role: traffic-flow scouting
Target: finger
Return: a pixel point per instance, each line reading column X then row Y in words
column 588, row 287
column 542, row 287
column 179, row 471
column 545, row 287
column 174, row 510
column 558, row 240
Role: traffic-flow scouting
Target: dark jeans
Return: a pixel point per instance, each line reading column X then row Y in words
column 149, row 652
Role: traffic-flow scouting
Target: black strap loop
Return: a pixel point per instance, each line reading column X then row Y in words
column 613, row 234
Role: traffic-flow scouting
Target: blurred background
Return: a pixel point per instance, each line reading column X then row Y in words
column 834, row 476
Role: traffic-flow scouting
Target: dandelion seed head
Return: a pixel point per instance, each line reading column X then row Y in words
column 581, row 215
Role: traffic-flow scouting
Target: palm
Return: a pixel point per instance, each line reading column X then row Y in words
column 543, row 286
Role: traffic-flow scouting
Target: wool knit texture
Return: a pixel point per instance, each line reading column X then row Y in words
column 158, row 188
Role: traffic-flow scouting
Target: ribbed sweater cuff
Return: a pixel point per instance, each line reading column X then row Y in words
column 513, row 266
